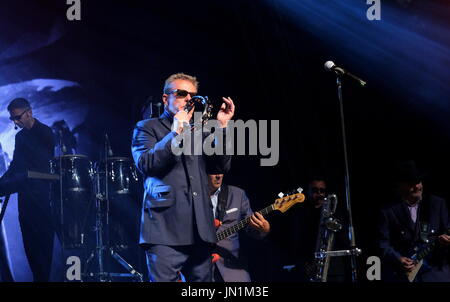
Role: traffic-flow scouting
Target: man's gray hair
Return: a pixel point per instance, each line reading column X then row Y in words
column 180, row 76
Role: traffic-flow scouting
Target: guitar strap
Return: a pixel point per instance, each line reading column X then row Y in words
column 222, row 202
column 423, row 225
column 230, row 260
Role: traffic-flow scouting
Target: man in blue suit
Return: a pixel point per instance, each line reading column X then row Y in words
column 231, row 205
column 407, row 223
column 177, row 226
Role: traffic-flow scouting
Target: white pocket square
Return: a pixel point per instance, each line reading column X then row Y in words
column 231, row 210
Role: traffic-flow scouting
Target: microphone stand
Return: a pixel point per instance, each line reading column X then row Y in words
column 3, row 210
column 158, row 105
column 5, row 271
column 351, row 232
column 6, row 200
column 61, row 199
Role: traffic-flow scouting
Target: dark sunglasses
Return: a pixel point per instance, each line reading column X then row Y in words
column 17, row 117
column 318, row 190
column 182, row 93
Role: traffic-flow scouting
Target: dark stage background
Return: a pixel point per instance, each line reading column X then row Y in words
column 268, row 56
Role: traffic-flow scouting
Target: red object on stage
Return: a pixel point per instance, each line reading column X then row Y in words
column 215, row 257
column 217, row 223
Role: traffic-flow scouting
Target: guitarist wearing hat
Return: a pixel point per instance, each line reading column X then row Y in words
column 413, row 232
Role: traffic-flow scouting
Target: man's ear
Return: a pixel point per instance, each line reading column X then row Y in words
column 164, row 99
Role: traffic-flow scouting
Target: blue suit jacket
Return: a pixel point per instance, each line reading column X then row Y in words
column 176, row 200
column 398, row 235
column 233, row 268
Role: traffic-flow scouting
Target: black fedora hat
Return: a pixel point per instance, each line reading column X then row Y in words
column 406, row 171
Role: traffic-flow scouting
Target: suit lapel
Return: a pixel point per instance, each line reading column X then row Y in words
column 166, row 123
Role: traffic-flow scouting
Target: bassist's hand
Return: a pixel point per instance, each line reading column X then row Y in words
column 258, row 222
column 407, row 264
column 444, row 239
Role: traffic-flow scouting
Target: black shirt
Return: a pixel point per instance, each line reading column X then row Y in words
column 33, row 150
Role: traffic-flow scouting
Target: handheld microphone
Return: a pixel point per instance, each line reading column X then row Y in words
column 330, row 66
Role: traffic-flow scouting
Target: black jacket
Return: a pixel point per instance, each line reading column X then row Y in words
column 33, row 150
column 398, row 235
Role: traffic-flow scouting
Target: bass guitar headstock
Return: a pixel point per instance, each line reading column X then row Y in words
column 286, row 201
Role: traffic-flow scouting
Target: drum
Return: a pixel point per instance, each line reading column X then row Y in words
column 123, row 200
column 122, row 177
column 70, row 206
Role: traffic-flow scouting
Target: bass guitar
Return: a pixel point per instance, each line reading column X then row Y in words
column 282, row 204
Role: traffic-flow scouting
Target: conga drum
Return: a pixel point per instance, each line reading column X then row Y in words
column 121, row 189
column 72, row 197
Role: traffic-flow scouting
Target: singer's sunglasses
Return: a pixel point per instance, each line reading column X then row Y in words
column 318, row 190
column 18, row 117
column 182, row 93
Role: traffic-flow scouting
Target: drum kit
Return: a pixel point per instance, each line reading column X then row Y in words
column 98, row 200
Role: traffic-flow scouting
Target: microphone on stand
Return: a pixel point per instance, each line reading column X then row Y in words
column 330, row 66
column 61, row 142
column 353, row 251
column 158, row 105
column 108, row 146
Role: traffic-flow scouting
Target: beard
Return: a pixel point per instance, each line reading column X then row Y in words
column 414, row 197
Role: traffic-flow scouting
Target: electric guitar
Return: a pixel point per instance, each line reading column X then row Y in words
column 281, row 204
column 419, row 256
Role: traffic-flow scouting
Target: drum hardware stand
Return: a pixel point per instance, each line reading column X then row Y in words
column 101, row 247
column 61, row 200
column 61, row 197
column 339, row 253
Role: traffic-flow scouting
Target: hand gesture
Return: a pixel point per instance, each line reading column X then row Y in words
column 226, row 112
column 444, row 239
